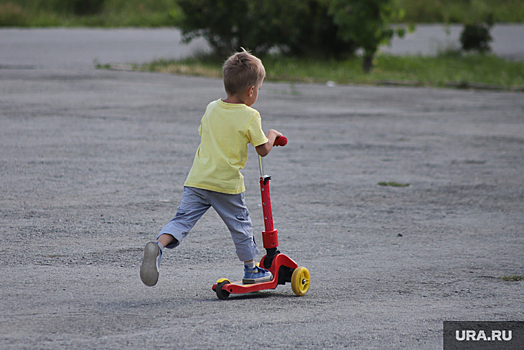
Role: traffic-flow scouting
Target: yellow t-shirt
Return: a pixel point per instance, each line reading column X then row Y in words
column 226, row 129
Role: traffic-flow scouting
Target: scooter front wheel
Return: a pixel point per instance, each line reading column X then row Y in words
column 300, row 280
column 221, row 293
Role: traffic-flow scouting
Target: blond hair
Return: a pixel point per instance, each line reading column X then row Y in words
column 241, row 71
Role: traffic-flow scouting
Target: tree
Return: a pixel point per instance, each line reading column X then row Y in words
column 295, row 27
column 475, row 36
column 366, row 23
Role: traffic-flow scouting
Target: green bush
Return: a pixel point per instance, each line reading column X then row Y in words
column 476, row 37
column 296, row 27
column 462, row 11
column 94, row 13
column 67, row 7
column 12, row 15
column 366, row 23
column 87, row 7
column 117, row 13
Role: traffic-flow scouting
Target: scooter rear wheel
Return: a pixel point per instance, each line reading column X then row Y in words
column 300, row 280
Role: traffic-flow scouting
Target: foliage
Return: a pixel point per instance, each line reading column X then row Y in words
column 325, row 28
column 64, row 7
column 366, row 23
column 462, row 11
column 476, row 37
column 154, row 13
column 315, row 27
column 12, row 15
column 99, row 13
column 296, row 27
column 85, row 7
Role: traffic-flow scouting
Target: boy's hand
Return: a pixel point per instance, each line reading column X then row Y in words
column 273, row 133
column 281, row 141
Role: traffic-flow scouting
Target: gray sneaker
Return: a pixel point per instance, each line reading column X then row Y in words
column 151, row 264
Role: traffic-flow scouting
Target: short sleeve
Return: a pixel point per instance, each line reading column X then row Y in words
column 254, row 133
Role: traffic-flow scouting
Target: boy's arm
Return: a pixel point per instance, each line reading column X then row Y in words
column 264, row 149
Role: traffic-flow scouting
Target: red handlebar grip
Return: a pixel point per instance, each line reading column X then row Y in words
column 281, row 141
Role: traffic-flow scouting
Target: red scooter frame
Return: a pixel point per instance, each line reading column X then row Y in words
column 283, row 268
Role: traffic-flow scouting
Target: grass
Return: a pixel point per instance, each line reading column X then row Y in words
column 97, row 13
column 202, row 66
column 460, row 71
column 462, row 11
column 154, row 13
column 393, row 184
column 514, row 278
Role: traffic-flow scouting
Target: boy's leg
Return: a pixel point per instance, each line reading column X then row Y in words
column 165, row 239
column 233, row 211
column 193, row 205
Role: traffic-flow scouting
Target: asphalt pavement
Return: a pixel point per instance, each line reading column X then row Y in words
column 432, row 39
column 92, row 164
column 80, row 48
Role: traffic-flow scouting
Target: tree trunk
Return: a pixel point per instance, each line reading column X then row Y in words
column 367, row 64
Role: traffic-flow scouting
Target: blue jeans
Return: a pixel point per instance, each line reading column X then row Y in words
column 230, row 207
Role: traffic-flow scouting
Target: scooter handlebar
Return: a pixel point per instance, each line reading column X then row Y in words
column 281, row 141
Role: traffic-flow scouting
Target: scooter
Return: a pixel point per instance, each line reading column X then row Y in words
column 283, row 268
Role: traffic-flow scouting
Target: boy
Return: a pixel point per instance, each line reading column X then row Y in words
column 226, row 129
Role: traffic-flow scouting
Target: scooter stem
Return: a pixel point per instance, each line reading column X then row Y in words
column 270, row 234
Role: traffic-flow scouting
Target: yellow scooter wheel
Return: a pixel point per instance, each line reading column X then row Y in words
column 300, row 281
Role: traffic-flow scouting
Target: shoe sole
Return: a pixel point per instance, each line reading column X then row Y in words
column 149, row 269
column 257, row 280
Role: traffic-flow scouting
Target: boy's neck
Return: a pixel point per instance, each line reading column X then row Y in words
column 232, row 100
column 242, row 98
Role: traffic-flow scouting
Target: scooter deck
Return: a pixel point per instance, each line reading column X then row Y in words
column 239, row 288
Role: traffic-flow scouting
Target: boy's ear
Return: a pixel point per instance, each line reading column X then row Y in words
column 250, row 90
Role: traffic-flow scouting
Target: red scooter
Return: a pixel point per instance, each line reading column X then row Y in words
column 283, row 268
